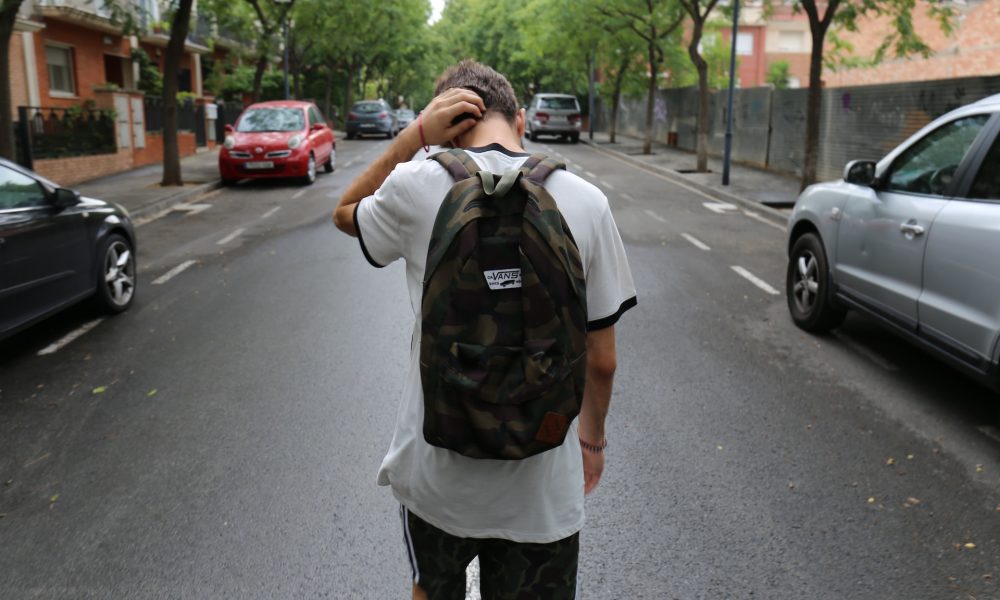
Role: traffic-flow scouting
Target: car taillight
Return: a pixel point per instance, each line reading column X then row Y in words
column 574, row 118
column 352, row 116
column 543, row 117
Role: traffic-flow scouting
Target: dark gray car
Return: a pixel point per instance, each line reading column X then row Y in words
column 371, row 117
column 911, row 240
column 57, row 248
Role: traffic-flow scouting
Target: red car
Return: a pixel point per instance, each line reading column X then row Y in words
column 280, row 139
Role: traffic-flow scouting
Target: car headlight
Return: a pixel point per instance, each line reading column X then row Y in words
column 294, row 141
column 229, row 143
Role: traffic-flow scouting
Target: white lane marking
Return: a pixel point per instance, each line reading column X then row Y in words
column 719, row 207
column 655, row 216
column 348, row 163
column 591, row 175
column 868, row 353
column 472, row 580
column 192, row 209
column 763, row 220
column 69, row 337
column 232, row 236
column 298, row 194
column 173, row 272
column 270, row 212
column 695, row 242
column 627, row 197
column 607, row 185
column 757, row 281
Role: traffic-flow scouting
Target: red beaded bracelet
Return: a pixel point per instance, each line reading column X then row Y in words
column 595, row 448
column 420, row 126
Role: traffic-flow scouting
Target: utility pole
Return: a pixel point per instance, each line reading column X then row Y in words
column 727, row 155
column 286, row 57
column 590, row 93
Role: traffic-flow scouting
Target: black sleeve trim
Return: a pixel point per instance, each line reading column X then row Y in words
column 612, row 319
column 361, row 240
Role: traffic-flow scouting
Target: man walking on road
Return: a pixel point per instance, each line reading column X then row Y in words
column 520, row 517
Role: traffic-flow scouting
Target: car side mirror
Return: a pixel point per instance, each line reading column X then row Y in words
column 860, row 172
column 316, row 127
column 65, row 197
column 229, row 129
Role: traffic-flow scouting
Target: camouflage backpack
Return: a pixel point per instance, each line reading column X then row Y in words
column 504, row 315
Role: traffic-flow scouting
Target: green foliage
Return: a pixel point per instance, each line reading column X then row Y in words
column 779, row 74
column 716, row 52
column 150, row 77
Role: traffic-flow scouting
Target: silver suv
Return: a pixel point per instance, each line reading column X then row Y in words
column 913, row 240
column 553, row 114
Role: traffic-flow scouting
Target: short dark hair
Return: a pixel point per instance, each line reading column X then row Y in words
column 497, row 93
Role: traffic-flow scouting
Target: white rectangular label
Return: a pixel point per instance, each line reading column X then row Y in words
column 260, row 165
column 503, row 279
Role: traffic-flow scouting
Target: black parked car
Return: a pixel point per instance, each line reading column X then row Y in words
column 57, row 248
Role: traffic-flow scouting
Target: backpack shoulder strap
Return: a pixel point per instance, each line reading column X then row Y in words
column 458, row 163
column 538, row 167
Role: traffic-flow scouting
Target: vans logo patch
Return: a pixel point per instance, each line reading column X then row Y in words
column 503, row 279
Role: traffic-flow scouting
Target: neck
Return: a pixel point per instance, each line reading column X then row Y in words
column 491, row 130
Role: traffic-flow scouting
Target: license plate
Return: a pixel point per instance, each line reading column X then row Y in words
column 369, row 125
column 264, row 164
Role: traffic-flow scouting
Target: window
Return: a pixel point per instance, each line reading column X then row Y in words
column 60, row 66
column 927, row 167
column 790, row 41
column 987, row 183
column 19, row 191
column 314, row 116
column 744, row 43
column 272, row 119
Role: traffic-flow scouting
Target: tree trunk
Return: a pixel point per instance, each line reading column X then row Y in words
column 818, row 28
column 616, row 96
column 647, row 144
column 171, row 71
column 348, row 91
column 702, row 67
column 258, row 77
column 328, row 95
column 8, row 15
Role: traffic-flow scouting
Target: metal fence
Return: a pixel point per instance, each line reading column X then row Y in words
column 187, row 117
column 63, row 132
column 769, row 125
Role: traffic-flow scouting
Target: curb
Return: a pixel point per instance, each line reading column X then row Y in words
column 711, row 191
column 168, row 202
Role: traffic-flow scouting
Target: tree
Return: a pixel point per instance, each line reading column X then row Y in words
column 270, row 20
column 653, row 22
column 179, row 24
column 903, row 38
column 699, row 11
column 779, row 74
column 8, row 16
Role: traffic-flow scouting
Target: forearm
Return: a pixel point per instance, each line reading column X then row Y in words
column 401, row 150
column 601, row 366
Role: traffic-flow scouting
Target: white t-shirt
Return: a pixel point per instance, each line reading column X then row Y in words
column 538, row 499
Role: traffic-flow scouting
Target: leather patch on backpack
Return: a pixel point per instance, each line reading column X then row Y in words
column 553, row 428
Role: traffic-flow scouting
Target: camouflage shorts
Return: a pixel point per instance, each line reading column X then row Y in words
column 508, row 570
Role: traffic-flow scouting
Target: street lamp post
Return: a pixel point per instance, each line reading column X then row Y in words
column 285, row 18
column 727, row 154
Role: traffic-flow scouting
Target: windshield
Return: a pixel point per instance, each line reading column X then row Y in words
column 367, row 107
column 405, row 113
column 558, row 103
column 272, row 119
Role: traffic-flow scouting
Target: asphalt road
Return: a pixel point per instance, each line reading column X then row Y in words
column 220, row 440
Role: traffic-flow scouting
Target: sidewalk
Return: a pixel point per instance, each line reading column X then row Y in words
column 755, row 189
column 139, row 190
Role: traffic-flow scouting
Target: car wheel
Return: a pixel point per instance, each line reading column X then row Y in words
column 575, row 138
column 350, row 136
column 331, row 163
column 533, row 136
column 808, row 287
column 310, row 175
column 116, row 276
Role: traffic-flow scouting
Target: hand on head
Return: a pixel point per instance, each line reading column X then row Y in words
column 438, row 116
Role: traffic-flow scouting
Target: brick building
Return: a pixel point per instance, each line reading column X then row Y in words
column 972, row 50
column 70, row 57
column 764, row 39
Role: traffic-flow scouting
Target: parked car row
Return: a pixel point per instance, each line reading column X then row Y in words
column 912, row 240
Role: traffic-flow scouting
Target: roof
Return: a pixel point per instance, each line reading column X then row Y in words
column 989, row 100
column 281, row 104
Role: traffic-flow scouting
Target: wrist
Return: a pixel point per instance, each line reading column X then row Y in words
column 592, row 446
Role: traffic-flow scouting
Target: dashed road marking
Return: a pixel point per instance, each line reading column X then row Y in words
column 757, row 281
column 695, row 241
column 719, row 207
column 472, row 580
column 69, row 337
column 627, row 197
column 348, row 163
column 232, row 236
column 173, row 272
column 655, row 216
column 607, row 185
column 192, row 209
column 591, row 175
column 270, row 212
column 299, row 194
column 868, row 353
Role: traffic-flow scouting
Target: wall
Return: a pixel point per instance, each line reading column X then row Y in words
column 88, row 58
column 769, row 125
column 71, row 171
column 18, row 77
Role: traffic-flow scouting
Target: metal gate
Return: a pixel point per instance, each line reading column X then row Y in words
column 200, row 135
